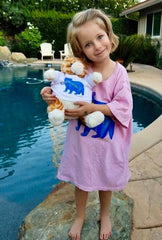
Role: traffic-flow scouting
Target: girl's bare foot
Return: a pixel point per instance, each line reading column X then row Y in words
column 105, row 231
column 75, row 231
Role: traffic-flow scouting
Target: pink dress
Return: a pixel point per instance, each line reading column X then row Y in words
column 101, row 163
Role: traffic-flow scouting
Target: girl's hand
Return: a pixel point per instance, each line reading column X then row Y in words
column 47, row 95
column 84, row 109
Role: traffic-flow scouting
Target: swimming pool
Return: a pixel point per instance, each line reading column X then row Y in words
column 27, row 152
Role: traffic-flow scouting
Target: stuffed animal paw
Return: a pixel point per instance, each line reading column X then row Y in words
column 94, row 119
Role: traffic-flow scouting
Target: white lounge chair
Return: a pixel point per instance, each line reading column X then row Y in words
column 66, row 52
column 46, row 50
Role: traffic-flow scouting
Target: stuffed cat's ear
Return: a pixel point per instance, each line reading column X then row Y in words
column 69, row 61
column 66, row 65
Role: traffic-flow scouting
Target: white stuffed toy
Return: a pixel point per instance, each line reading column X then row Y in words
column 70, row 85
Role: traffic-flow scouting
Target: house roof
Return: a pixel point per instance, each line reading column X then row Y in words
column 140, row 6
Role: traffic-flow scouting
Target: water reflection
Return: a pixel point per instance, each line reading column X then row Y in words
column 58, row 137
column 146, row 108
column 10, row 173
column 7, row 74
column 22, row 112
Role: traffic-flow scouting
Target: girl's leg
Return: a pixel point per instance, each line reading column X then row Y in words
column 105, row 200
column 81, row 199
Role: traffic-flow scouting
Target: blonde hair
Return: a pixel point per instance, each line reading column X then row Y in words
column 81, row 18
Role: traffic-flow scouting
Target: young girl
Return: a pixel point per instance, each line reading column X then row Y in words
column 97, row 161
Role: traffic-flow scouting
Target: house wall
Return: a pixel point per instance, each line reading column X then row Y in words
column 142, row 25
column 143, row 21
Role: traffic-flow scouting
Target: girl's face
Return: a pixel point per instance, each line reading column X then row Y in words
column 94, row 41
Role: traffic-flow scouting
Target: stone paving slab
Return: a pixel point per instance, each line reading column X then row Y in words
column 145, row 188
column 145, row 139
column 147, row 165
column 147, row 196
column 147, row 234
column 147, row 76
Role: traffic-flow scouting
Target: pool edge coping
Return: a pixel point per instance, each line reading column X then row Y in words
column 152, row 134
column 146, row 138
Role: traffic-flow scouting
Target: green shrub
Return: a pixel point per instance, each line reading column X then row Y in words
column 137, row 48
column 124, row 26
column 28, row 41
column 3, row 39
column 127, row 49
column 148, row 51
column 12, row 17
column 159, row 62
column 52, row 25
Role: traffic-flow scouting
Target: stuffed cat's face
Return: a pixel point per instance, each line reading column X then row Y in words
column 66, row 66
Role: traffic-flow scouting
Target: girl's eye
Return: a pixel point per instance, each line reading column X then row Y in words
column 100, row 36
column 87, row 45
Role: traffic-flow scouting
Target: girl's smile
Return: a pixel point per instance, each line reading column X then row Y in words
column 101, row 52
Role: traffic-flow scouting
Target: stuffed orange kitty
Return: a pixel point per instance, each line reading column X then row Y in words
column 72, row 84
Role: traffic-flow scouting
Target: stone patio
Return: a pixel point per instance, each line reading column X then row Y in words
column 145, row 186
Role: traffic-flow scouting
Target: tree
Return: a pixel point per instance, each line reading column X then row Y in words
column 112, row 7
column 14, row 14
column 12, row 17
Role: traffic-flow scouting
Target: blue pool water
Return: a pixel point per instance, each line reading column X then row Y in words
column 27, row 152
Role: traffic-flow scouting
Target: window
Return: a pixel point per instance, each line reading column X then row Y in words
column 153, row 24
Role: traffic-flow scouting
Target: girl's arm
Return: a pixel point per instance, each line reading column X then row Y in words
column 84, row 109
column 47, row 95
column 87, row 108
